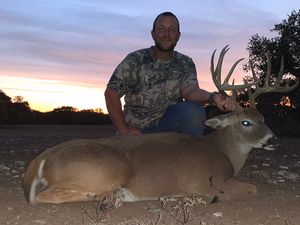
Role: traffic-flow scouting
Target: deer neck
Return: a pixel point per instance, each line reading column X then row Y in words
column 232, row 145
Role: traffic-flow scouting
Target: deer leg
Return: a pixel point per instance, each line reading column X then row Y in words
column 67, row 192
column 234, row 190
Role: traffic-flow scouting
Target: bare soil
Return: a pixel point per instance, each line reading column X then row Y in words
column 276, row 174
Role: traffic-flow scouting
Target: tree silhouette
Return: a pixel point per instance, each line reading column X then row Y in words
column 5, row 104
column 285, row 118
column 286, row 44
column 18, row 111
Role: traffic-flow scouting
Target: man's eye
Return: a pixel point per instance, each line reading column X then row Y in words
column 173, row 30
column 161, row 29
column 169, row 30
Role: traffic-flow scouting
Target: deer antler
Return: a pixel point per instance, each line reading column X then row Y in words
column 216, row 73
column 266, row 87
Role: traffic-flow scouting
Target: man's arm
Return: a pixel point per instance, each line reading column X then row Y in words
column 114, row 108
column 195, row 94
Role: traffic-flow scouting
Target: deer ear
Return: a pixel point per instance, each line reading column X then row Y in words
column 218, row 122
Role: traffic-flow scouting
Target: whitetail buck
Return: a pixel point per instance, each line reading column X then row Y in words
column 154, row 165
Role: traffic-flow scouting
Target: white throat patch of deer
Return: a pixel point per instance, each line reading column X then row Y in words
column 135, row 168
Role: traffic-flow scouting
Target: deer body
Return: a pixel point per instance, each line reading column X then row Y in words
column 149, row 166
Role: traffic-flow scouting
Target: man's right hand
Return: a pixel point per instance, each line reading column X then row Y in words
column 129, row 131
column 114, row 108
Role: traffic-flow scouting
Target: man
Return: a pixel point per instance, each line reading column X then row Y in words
column 160, row 87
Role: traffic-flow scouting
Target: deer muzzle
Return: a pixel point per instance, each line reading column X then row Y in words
column 271, row 144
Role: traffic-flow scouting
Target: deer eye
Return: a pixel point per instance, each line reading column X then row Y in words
column 246, row 123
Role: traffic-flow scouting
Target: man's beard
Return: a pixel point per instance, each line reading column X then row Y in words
column 161, row 48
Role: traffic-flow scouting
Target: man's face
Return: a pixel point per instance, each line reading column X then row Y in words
column 166, row 33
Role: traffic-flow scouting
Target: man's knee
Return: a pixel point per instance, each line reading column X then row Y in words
column 194, row 112
column 192, row 119
column 183, row 117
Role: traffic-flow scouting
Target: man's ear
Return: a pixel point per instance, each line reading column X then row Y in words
column 152, row 34
column 179, row 34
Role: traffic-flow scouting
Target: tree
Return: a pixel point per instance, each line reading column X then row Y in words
column 19, row 102
column 286, row 44
column 5, row 105
column 18, row 111
column 65, row 109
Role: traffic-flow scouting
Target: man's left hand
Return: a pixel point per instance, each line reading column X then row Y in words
column 225, row 103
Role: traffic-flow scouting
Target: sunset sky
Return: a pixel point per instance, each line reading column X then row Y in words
column 62, row 52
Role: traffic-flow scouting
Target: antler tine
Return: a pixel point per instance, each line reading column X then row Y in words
column 266, row 87
column 216, row 73
column 212, row 70
column 251, row 96
column 281, row 71
column 232, row 69
column 253, row 72
column 269, row 67
column 220, row 62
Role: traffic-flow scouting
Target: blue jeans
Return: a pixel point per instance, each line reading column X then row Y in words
column 183, row 117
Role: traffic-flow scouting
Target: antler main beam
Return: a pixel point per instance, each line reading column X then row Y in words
column 216, row 73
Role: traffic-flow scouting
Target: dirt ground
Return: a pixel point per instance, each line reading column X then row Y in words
column 276, row 174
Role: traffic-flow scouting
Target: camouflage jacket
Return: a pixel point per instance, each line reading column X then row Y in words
column 149, row 86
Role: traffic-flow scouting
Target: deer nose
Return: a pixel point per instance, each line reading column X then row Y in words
column 272, row 143
column 273, row 140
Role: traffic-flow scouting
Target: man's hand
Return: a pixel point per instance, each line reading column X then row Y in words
column 129, row 131
column 114, row 108
column 225, row 103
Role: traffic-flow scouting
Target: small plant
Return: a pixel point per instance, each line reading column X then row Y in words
column 182, row 211
column 101, row 208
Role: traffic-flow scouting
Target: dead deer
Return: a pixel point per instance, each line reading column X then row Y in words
column 156, row 165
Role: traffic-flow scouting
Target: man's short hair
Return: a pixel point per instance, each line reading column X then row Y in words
column 166, row 14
